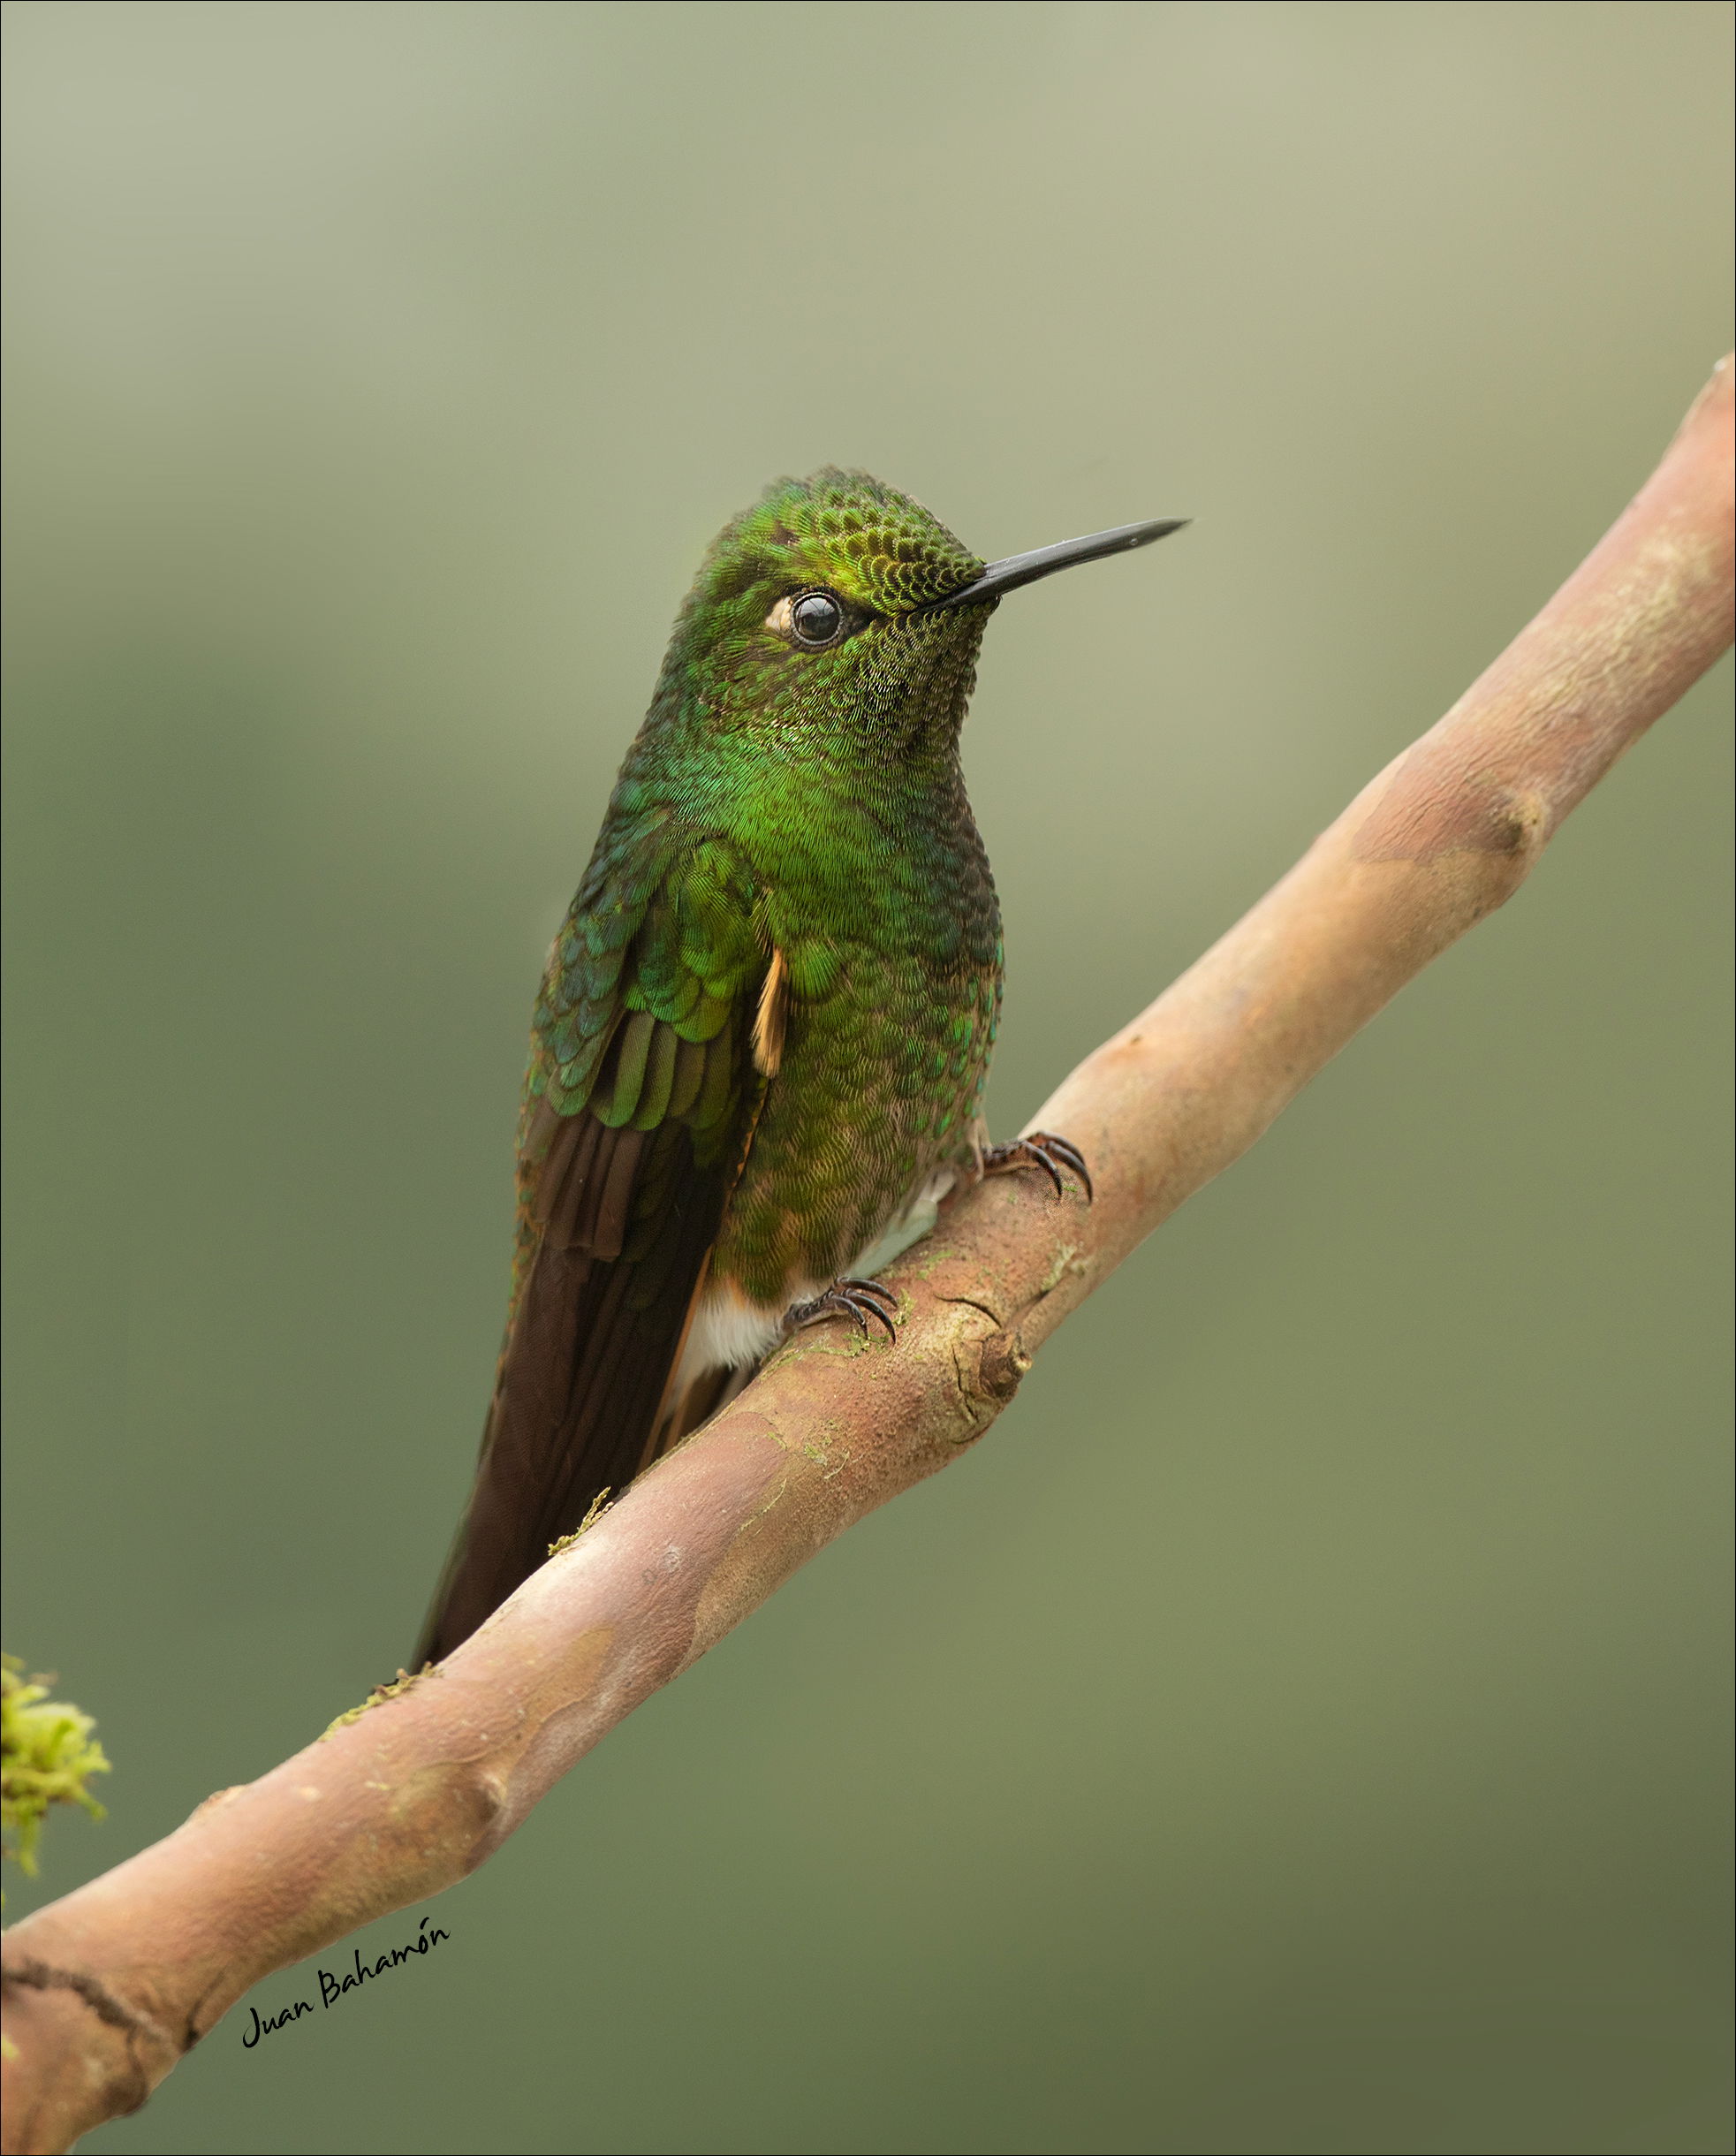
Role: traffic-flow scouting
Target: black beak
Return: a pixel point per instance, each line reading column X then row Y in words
column 1018, row 569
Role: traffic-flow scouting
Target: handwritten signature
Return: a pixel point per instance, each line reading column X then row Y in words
column 333, row 1988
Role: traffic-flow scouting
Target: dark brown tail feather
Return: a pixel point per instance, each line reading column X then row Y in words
column 580, row 1404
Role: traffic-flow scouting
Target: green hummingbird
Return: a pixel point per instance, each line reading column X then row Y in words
column 758, row 1057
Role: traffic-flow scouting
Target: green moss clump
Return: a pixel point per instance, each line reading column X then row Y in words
column 48, row 1757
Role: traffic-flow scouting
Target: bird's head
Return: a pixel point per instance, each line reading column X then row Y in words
column 839, row 606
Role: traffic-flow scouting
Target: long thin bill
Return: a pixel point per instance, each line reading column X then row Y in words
column 1018, row 569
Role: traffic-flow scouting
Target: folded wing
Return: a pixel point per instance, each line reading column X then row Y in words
column 639, row 1103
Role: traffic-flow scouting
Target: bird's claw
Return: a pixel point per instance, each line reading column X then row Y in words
column 1041, row 1149
column 859, row 1300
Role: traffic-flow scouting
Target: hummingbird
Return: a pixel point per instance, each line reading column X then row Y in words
column 758, row 1055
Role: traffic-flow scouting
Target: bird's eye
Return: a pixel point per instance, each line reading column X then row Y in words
column 816, row 619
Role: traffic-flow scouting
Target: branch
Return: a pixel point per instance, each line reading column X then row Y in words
column 107, row 1988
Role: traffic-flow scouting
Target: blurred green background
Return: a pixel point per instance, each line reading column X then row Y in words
column 1300, row 1726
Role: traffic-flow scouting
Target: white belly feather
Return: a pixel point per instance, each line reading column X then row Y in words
column 729, row 1333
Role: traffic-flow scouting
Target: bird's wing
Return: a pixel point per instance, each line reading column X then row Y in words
column 649, row 1064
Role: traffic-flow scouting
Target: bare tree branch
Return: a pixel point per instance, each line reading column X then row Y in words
column 108, row 1987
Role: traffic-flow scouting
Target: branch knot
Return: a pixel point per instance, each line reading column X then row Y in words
column 1004, row 1363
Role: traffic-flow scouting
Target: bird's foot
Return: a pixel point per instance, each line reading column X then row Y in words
column 859, row 1300
column 1041, row 1149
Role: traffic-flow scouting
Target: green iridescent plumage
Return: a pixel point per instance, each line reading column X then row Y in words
column 837, row 831
column 758, row 1056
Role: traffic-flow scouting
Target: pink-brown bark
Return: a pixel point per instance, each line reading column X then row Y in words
column 106, row 1988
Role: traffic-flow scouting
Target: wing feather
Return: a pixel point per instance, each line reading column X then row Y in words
column 647, row 1075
